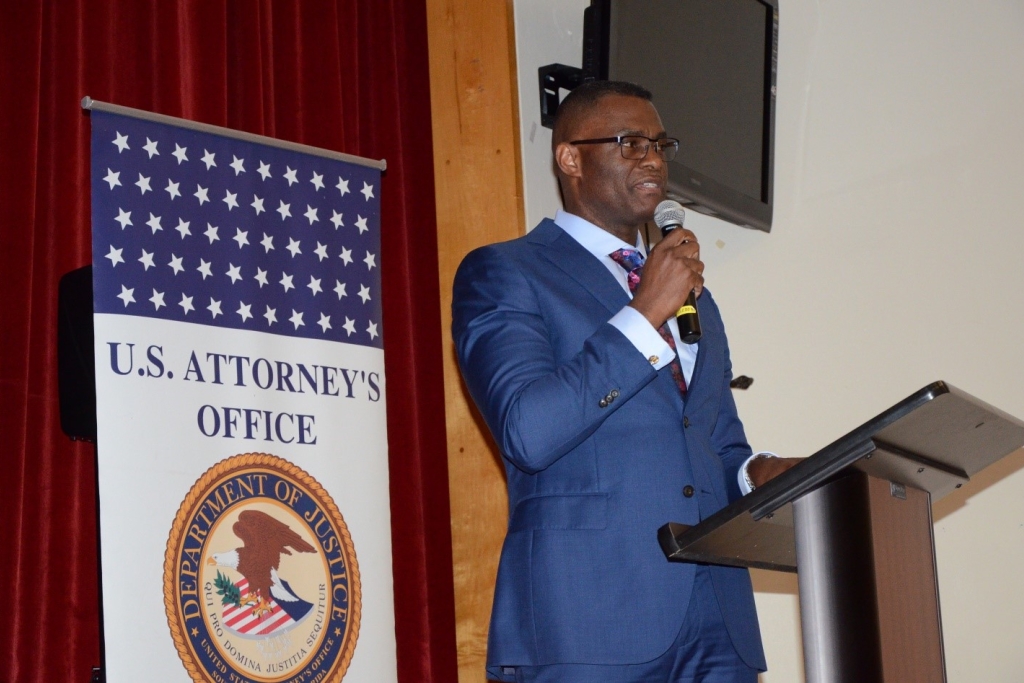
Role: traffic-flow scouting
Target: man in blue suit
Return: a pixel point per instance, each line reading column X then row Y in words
column 608, row 425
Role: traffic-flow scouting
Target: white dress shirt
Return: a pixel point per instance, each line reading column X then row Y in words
column 633, row 325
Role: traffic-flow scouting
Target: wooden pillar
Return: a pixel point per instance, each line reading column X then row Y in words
column 477, row 175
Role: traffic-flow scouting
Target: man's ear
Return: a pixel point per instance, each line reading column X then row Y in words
column 567, row 159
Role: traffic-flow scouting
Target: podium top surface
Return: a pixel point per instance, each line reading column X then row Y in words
column 934, row 440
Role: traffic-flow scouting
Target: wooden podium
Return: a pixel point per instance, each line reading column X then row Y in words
column 854, row 521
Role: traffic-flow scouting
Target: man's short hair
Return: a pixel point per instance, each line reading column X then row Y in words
column 581, row 99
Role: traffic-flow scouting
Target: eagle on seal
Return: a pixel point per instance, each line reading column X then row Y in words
column 264, row 540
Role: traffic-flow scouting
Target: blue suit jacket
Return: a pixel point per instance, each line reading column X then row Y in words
column 582, row 578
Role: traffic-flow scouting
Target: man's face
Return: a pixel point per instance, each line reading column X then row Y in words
column 620, row 194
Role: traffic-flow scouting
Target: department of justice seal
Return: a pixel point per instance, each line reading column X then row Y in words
column 261, row 583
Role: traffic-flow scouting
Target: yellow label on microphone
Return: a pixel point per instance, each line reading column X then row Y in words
column 684, row 310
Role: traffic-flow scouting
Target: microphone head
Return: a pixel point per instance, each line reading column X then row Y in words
column 669, row 214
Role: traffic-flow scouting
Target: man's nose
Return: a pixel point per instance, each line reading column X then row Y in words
column 653, row 159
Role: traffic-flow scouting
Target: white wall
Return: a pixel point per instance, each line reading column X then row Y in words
column 894, row 260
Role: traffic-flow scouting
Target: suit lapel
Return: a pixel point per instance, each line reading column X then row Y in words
column 561, row 251
column 701, row 346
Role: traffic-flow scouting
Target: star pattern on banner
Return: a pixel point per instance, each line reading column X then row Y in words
column 177, row 237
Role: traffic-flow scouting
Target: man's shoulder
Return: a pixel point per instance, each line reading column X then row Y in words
column 519, row 255
column 504, row 271
column 546, row 232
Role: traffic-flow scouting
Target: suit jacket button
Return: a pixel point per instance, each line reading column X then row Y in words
column 686, row 422
column 688, row 491
column 615, row 393
column 603, row 403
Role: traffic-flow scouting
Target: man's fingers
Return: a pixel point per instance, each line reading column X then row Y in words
column 762, row 470
column 688, row 246
column 676, row 237
column 687, row 235
column 679, row 243
column 690, row 250
column 674, row 267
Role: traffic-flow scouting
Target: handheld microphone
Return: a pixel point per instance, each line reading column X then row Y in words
column 668, row 216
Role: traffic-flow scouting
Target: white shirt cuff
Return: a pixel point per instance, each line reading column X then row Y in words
column 647, row 340
column 746, row 486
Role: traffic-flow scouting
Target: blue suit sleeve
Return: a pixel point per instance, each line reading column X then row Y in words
column 728, row 438
column 537, row 407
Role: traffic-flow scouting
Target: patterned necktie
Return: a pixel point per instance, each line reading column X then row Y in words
column 633, row 262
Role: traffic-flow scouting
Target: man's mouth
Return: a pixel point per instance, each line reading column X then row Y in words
column 650, row 185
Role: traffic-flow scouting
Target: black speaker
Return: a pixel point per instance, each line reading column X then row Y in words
column 76, row 369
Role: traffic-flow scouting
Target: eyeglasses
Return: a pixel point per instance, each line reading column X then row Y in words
column 635, row 147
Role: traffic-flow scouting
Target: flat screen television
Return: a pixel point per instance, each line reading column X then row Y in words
column 711, row 65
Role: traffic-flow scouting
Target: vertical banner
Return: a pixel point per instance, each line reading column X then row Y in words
column 244, row 512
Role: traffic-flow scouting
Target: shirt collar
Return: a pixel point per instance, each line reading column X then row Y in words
column 594, row 239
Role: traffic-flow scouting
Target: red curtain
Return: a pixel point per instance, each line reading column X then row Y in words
column 340, row 74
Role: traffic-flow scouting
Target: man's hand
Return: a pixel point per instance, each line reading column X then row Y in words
column 671, row 271
column 763, row 469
